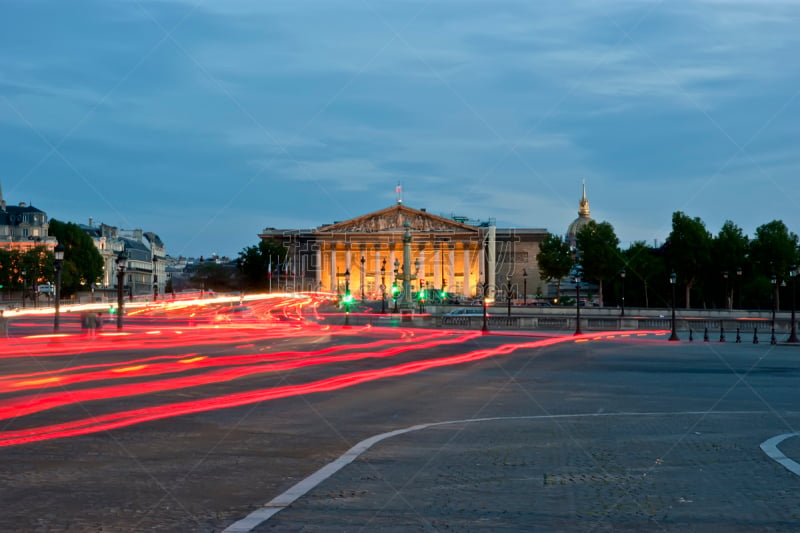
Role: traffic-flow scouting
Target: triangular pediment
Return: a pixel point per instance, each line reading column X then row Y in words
column 393, row 219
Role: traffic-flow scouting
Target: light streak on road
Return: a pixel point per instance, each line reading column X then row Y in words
column 25, row 405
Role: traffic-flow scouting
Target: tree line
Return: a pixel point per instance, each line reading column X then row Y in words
column 723, row 271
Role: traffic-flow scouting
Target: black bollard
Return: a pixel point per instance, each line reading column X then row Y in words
column 721, row 333
column 755, row 336
column 738, row 337
column 772, row 338
column 705, row 334
column 691, row 337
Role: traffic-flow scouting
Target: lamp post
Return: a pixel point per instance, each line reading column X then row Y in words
column 524, row 287
column 383, row 286
column 155, row 279
column 58, row 255
column 673, row 278
column 577, row 280
column 622, row 275
column 24, row 286
column 363, row 260
column 485, row 328
column 727, row 299
column 793, row 335
column 408, row 279
column 739, row 285
column 394, row 286
column 508, row 294
column 121, row 260
column 774, row 281
column 347, row 297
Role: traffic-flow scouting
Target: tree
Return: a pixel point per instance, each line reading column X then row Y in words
column 688, row 250
column 642, row 264
column 254, row 263
column 210, row 275
column 554, row 260
column 599, row 252
column 83, row 264
column 773, row 251
column 729, row 249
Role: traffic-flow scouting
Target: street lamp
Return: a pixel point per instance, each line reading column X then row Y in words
column 383, row 286
column 508, row 294
column 622, row 275
column 739, row 285
column 58, row 254
column 727, row 300
column 673, row 278
column 122, row 258
column 524, row 287
column 362, row 278
column 485, row 328
column 347, row 297
column 774, row 281
column 24, row 286
column 155, row 279
column 577, row 280
column 394, row 286
column 793, row 336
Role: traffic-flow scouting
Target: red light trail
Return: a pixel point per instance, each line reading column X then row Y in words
column 112, row 374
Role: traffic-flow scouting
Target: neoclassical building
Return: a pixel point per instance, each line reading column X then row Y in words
column 452, row 254
column 23, row 227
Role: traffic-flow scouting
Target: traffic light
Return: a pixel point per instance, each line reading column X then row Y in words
column 348, row 298
column 112, row 310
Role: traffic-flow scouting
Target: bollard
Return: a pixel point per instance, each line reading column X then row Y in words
column 705, row 334
column 772, row 338
column 721, row 333
column 738, row 337
column 691, row 338
column 755, row 336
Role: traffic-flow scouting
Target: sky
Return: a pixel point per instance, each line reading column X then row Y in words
column 207, row 121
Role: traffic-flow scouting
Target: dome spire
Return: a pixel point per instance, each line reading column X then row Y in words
column 583, row 209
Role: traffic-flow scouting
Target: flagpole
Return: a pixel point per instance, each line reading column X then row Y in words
column 269, row 273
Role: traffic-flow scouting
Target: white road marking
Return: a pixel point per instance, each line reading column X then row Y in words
column 280, row 502
column 770, row 447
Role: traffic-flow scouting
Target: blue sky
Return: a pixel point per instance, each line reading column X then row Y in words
column 206, row 121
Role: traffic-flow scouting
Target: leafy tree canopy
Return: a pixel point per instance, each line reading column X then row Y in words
column 83, row 264
column 254, row 262
column 774, row 249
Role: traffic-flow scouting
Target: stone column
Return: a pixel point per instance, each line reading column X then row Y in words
column 378, row 269
column 466, row 288
column 334, row 287
column 318, row 269
column 438, row 267
column 451, row 274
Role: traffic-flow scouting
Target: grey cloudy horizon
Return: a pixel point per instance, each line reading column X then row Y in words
column 207, row 121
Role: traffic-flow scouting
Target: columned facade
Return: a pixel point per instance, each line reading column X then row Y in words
column 445, row 254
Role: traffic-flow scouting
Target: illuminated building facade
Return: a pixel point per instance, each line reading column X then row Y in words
column 449, row 254
column 23, row 227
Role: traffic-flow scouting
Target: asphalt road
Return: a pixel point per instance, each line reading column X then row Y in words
column 612, row 434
